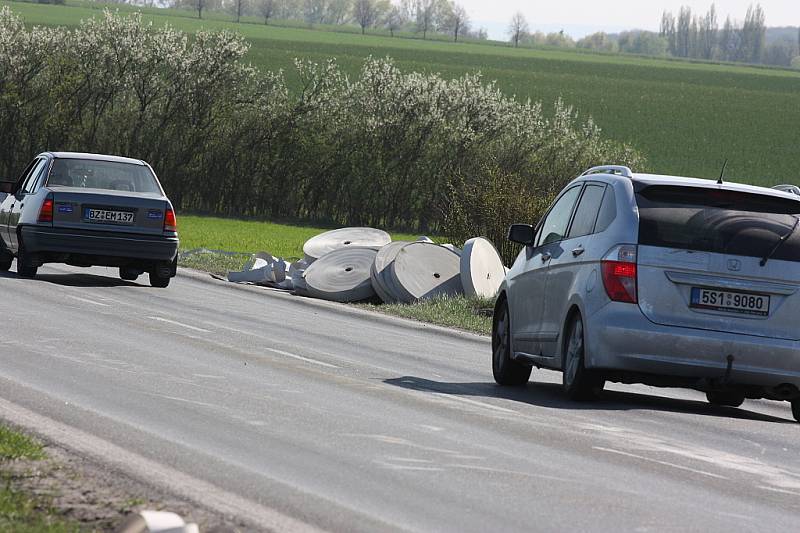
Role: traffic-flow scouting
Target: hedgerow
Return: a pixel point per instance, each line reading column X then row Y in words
column 386, row 148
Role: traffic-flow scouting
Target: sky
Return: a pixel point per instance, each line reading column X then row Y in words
column 582, row 17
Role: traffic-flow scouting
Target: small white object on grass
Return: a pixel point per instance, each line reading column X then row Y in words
column 157, row 522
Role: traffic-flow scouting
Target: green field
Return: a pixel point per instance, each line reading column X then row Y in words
column 687, row 118
column 250, row 236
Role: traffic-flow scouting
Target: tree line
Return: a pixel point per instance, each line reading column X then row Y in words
column 385, row 148
column 422, row 17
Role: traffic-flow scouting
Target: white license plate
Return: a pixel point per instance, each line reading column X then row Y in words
column 108, row 216
column 730, row 301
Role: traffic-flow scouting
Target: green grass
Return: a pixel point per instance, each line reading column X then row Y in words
column 468, row 314
column 20, row 511
column 15, row 445
column 249, row 236
column 686, row 117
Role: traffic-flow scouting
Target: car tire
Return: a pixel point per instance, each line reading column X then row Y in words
column 6, row 258
column 128, row 274
column 579, row 383
column 796, row 409
column 24, row 266
column 159, row 281
column 725, row 399
column 506, row 371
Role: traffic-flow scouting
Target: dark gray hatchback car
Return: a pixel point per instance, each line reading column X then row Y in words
column 88, row 210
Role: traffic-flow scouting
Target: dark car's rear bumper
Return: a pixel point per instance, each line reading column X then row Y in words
column 44, row 240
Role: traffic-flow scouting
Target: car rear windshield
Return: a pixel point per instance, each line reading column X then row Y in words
column 718, row 221
column 109, row 175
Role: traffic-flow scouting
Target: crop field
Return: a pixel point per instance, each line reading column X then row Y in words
column 687, row 118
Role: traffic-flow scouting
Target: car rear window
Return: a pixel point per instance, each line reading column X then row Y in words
column 108, row 175
column 718, row 221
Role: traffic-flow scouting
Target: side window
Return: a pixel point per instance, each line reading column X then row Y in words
column 38, row 181
column 27, row 171
column 588, row 208
column 554, row 226
column 27, row 185
column 608, row 211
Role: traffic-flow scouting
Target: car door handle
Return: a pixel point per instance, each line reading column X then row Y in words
column 578, row 251
column 546, row 256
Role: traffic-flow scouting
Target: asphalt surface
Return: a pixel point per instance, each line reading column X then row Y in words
column 349, row 421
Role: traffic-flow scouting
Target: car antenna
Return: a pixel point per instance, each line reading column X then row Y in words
column 722, row 174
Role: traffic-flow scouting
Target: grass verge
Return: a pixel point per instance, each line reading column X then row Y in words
column 468, row 314
column 22, row 511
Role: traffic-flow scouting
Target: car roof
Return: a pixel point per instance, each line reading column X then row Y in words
column 658, row 179
column 94, row 157
column 647, row 180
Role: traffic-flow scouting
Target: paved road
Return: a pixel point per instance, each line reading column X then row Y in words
column 348, row 421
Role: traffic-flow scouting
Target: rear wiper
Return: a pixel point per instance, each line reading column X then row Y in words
column 780, row 242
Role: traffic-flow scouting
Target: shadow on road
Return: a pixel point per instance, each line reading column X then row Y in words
column 551, row 396
column 76, row 280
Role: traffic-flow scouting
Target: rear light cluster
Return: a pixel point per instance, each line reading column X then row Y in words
column 46, row 211
column 170, row 222
column 619, row 274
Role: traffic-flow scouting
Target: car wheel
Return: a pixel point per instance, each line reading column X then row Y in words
column 24, row 266
column 6, row 259
column 128, row 274
column 579, row 383
column 796, row 409
column 726, row 399
column 506, row 371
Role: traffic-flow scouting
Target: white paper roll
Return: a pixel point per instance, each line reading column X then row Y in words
column 482, row 269
column 317, row 247
column 422, row 270
column 342, row 275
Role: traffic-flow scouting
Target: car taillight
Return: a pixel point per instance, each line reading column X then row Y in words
column 170, row 222
column 46, row 211
column 619, row 274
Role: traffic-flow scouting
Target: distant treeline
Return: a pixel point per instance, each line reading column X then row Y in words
column 385, row 148
column 689, row 35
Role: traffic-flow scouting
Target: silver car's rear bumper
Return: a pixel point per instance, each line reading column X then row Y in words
column 620, row 337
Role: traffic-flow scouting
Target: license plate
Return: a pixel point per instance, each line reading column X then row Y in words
column 730, row 301
column 107, row 216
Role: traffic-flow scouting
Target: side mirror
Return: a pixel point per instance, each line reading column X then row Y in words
column 522, row 234
column 7, row 186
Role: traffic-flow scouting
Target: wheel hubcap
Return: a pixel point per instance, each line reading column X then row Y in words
column 574, row 352
column 501, row 339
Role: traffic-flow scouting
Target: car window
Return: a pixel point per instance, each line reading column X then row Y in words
column 30, row 180
column 554, row 225
column 587, row 211
column 718, row 221
column 608, row 210
column 108, row 175
column 40, row 175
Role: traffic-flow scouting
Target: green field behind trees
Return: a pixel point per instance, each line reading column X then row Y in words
column 686, row 118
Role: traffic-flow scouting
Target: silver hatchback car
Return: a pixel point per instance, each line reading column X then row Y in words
column 668, row 281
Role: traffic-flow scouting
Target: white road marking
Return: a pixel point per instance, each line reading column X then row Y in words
column 86, row 300
column 773, row 489
column 665, row 463
column 301, row 358
column 187, row 326
column 476, row 403
column 157, row 474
